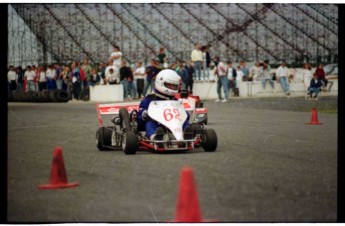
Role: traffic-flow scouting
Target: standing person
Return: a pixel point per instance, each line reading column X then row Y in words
column 161, row 56
column 139, row 77
column 307, row 75
column 196, row 57
column 315, row 86
column 87, row 69
column 58, row 76
column 320, row 73
column 179, row 70
column 232, row 74
column 266, row 76
column 132, row 89
column 125, row 73
column 50, row 74
column 245, row 70
column 189, row 72
column 206, row 59
column 33, row 67
column 151, row 71
column 65, row 78
column 222, row 74
column 116, row 57
column 239, row 76
column 20, row 80
column 76, row 80
column 282, row 77
column 42, row 79
column 30, row 76
column 12, row 78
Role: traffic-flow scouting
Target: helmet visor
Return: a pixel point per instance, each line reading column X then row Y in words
column 171, row 86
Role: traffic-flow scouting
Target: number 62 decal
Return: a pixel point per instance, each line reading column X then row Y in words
column 170, row 113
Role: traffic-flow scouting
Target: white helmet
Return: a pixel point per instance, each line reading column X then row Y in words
column 168, row 82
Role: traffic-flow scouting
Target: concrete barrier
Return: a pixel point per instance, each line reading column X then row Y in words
column 208, row 90
column 104, row 93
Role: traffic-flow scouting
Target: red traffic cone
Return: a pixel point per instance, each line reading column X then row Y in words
column 188, row 209
column 314, row 119
column 58, row 177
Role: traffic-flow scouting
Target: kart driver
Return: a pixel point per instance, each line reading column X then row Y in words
column 167, row 85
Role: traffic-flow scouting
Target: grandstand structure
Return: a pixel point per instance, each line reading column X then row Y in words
column 295, row 33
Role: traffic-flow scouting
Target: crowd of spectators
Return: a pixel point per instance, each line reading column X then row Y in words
column 77, row 77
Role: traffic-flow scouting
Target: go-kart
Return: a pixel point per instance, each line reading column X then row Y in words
column 125, row 133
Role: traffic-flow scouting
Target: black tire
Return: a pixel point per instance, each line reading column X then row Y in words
column 61, row 96
column 52, row 96
column 130, row 143
column 103, row 138
column 123, row 113
column 210, row 140
column 44, row 96
column 35, row 97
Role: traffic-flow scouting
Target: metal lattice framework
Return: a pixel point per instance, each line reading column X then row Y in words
column 45, row 33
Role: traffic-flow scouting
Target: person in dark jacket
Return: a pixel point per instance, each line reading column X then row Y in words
column 206, row 58
column 321, row 75
column 315, row 87
column 189, row 71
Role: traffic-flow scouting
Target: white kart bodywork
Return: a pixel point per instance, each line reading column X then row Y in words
column 171, row 114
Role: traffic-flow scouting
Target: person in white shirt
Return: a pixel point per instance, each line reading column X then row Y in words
column 139, row 77
column 222, row 75
column 307, row 75
column 111, row 74
column 51, row 77
column 30, row 75
column 42, row 79
column 282, row 77
column 196, row 57
column 255, row 71
column 239, row 76
column 266, row 76
column 12, row 78
column 116, row 57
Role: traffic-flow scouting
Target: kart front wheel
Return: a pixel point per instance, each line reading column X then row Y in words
column 210, row 140
column 130, row 143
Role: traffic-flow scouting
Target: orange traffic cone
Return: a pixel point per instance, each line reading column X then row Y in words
column 314, row 119
column 58, row 177
column 188, row 209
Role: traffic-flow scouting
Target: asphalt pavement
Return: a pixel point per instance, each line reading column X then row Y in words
column 270, row 166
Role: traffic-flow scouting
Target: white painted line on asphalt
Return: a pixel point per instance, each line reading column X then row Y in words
column 268, row 137
column 153, row 214
column 93, row 168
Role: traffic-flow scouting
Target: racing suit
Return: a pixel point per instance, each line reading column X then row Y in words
column 149, row 125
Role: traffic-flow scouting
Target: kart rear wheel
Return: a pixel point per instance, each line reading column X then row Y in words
column 130, row 143
column 210, row 140
column 103, row 138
